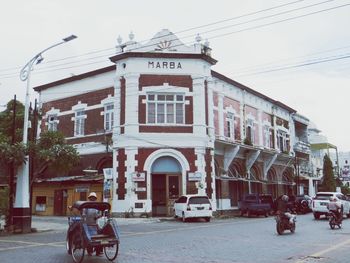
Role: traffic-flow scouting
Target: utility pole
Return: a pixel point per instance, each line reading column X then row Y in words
column 11, row 167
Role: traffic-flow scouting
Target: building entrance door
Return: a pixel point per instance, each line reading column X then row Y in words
column 159, row 195
column 60, row 202
column 165, row 190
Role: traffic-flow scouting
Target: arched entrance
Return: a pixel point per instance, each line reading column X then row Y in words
column 166, row 173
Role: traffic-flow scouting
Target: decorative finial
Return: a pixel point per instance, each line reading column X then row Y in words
column 206, row 43
column 120, row 40
column 131, row 36
column 198, row 38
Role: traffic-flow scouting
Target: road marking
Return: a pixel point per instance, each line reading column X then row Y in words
column 325, row 251
column 30, row 244
column 185, row 228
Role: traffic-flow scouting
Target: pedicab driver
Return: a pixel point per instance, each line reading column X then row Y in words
column 92, row 215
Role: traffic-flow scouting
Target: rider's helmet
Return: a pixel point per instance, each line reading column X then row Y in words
column 332, row 198
column 285, row 198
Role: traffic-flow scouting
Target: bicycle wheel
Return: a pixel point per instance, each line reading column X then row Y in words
column 111, row 252
column 77, row 249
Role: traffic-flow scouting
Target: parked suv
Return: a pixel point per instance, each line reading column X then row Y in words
column 321, row 200
column 193, row 206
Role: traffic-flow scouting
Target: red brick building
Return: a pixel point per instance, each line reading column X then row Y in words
column 169, row 125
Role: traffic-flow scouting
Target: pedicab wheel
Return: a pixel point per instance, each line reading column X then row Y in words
column 77, row 249
column 279, row 228
column 111, row 252
column 332, row 223
column 184, row 219
column 292, row 228
column 68, row 246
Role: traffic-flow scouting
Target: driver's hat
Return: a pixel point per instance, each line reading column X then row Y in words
column 92, row 194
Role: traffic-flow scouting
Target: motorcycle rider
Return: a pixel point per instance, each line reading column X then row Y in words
column 335, row 206
column 286, row 208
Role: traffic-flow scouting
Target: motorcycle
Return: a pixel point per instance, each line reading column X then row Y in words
column 283, row 223
column 334, row 220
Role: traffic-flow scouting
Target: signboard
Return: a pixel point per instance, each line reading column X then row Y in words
column 138, row 177
column 107, row 189
column 108, row 173
column 196, row 176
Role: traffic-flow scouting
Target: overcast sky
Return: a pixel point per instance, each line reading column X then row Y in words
column 297, row 53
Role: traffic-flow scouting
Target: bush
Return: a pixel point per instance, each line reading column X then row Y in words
column 4, row 201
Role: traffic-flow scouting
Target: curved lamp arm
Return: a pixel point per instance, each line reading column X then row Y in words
column 38, row 58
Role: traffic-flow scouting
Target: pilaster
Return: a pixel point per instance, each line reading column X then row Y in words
column 131, row 104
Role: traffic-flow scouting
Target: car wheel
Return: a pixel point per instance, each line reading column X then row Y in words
column 316, row 216
column 184, row 219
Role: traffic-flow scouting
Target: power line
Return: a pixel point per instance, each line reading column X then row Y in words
column 213, row 30
column 296, row 66
column 178, row 32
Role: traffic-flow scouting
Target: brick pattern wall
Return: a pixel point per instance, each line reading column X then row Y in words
column 121, row 180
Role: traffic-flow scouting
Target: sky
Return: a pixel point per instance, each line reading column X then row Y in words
column 294, row 51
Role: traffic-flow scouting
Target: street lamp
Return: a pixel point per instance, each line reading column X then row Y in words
column 21, row 211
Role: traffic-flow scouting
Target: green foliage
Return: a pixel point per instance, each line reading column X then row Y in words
column 345, row 189
column 4, row 195
column 329, row 182
column 50, row 150
column 15, row 153
column 6, row 120
column 247, row 141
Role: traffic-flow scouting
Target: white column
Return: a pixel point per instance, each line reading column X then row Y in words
column 115, row 181
column 242, row 117
column 199, row 124
column 131, row 104
column 211, row 125
column 221, row 114
column 200, row 163
column 260, row 128
column 116, row 116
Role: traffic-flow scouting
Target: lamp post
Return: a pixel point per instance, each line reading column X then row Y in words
column 21, row 211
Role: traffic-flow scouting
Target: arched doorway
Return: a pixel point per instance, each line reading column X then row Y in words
column 166, row 181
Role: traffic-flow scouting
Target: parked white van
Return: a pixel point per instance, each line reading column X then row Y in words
column 321, row 200
column 193, row 206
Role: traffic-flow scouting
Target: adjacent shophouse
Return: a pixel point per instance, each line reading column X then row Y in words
column 167, row 124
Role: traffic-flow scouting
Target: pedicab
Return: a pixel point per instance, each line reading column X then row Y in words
column 82, row 235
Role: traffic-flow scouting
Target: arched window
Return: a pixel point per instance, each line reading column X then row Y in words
column 166, row 164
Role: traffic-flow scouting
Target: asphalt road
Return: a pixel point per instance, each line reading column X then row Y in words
column 222, row 240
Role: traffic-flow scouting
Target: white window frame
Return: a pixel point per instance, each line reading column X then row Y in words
column 230, row 122
column 285, row 138
column 250, row 124
column 158, row 101
column 108, row 116
column 268, row 143
column 52, row 122
column 79, row 122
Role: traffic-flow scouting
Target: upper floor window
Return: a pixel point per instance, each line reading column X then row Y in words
column 108, row 114
column 268, row 137
column 283, row 141
column 250, row 132
column 79, row 125
column 230, row 125
column 52, row 122
column 165, row 108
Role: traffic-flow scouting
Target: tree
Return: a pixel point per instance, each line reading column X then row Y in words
column 328, row 183
column 49, row 151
